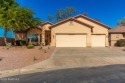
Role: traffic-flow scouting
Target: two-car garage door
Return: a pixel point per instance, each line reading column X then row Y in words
column 70, row 40
column 98, row 41
column 79, row 40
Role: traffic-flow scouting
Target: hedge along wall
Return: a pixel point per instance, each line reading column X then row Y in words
column 8, row 40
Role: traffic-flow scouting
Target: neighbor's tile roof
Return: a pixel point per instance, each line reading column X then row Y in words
column 118, row 29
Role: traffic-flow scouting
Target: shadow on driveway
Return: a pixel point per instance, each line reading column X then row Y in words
column 102, row 74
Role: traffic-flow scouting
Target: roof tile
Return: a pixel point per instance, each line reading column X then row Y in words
column 118, row 29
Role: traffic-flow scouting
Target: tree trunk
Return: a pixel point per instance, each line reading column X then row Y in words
column 5, row 34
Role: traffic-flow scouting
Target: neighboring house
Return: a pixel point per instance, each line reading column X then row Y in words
column 79, row 31
column 116, row 34
column 38, row 35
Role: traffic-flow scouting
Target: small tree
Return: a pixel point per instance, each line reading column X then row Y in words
column 50, row 17
column 7, row 15
column 121, row 22
column 62, row 14
column 14, row 18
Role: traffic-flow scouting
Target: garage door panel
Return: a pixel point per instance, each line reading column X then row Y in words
column 70, row 40
column 98, row 40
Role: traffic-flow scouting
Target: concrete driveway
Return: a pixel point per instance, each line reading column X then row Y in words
column 87, row 57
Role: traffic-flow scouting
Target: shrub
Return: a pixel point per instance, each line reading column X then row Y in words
column 20, row 42
column 40, row 47
column 48, row 47
column 34, row 58
column 0, row 58
column 8, row 45
column 42, row 44
column 120, row 42
column 30, row 46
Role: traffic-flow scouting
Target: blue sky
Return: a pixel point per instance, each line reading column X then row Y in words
column 108, row 12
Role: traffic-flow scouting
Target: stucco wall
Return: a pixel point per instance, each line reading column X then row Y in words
column 113, row 42
column 115, row 36
column 19, row 36
column 98, row 29
column 44, row 29
column 70, row 28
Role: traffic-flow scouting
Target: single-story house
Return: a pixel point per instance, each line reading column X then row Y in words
column 79, row 31
column 37, row 36
column 116, row 34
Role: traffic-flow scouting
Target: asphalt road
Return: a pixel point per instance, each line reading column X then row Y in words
column 104, row 74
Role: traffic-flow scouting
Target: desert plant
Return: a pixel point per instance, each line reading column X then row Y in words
column 45, row 51
column 42, row 44
column 48, row 47
column 21, row 44
column 8, row 45
column 34, row 58
column 0, row 59
column 30, row 46
column 40, row 47
column 120, row 42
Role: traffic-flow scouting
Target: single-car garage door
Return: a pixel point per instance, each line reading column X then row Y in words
column 98, row 40
column 70, row 40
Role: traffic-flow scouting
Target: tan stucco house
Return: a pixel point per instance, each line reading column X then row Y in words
column 116, row 34
column 79, row 31
column 37, row 35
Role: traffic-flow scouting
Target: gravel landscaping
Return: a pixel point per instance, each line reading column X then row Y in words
column 17, row 57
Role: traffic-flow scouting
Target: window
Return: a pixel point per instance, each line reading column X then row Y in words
column 34, row 37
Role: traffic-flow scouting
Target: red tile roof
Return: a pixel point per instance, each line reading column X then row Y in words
column 85, row 17
column 118, row 29
column 46, row 23
column 70, row 19
column 92, row 20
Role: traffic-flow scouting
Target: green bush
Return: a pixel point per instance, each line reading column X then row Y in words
column 8, row 45
column 30, row 46
column 120, row 42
